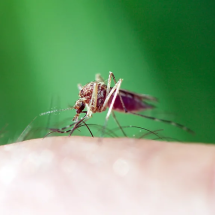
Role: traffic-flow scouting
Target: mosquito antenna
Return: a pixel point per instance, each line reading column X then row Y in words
column 165, row 121
column 28, row 127
column 55, row 111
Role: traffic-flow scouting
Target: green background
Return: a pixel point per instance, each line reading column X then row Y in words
column 161, row 48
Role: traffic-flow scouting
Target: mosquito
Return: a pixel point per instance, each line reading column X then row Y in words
column 97, row 96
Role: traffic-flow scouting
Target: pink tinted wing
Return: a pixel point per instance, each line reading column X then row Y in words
column 132, row 101
column 139, row 96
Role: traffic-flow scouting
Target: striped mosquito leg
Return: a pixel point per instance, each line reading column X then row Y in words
column 93, row 101
column 87, row 128
column 165, row 121
column 59, row 131
column 117, row 122
column 114, row 79
column 63, row 132
column 114, row 90
column 85, row 118
column 150, row 132
column 68, row 126
column 53, row 130
column 56, row 130
column 109, row 83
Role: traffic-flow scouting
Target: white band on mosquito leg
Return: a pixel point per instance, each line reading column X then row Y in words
column 114, row 98
column 109, row 82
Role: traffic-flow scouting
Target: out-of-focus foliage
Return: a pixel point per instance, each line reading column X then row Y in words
column 162, row 48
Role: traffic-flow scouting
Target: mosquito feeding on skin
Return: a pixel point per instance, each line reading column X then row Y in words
column 97, row 96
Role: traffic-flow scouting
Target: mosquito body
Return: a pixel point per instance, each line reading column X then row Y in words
column 96, row 101
column 97, row 96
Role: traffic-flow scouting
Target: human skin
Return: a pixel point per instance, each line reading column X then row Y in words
column 84, row 175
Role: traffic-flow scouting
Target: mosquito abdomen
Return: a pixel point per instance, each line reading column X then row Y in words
column 132, row 104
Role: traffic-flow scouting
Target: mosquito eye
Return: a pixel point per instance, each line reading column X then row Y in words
column 82, row 106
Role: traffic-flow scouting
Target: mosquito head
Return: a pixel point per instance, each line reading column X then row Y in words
column 79, row 106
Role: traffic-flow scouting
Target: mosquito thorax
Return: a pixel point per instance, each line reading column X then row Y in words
column 86, row 93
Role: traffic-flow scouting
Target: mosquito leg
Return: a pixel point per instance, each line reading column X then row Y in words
column 109, row 82
column 90, row 109
column 99, row 78
column 114, row 79
column 93, row 102
column 77, row 124
column 148, row 133
column 111, row 75
column 117, row 122
column 165, row 121
column 116, row 90
column 100, row 127
column 57, row 131
column 66, row 127
column 63, row 132
column 153, row 118
column 88, row 129
column 67, row 131
column 108, row 96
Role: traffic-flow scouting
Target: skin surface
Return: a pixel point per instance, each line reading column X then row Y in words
column 83, row 175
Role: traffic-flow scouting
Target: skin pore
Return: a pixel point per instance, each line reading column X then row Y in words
column 84, row 175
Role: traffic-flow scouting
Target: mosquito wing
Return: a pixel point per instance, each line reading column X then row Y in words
column 137, row 96
column 133, row 102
